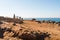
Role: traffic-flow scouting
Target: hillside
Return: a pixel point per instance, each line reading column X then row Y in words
column 8, row 31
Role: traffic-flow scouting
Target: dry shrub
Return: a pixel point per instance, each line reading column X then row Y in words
column 20, row 22
column 33, row 19
column 14, row 24
column 1, row 22
column 34, row 36
column 38, row 21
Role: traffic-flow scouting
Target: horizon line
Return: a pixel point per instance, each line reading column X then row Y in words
column 30, row 17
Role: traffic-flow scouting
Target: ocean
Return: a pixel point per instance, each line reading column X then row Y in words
column 46, row 19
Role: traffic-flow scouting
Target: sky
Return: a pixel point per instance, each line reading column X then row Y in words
column 30, row 8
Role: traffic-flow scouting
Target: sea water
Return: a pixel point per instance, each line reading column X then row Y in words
column 46, row 19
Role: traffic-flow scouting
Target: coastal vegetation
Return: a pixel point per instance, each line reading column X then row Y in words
column 29, row 30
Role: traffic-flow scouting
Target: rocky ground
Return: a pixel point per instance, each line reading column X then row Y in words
column 29, row 30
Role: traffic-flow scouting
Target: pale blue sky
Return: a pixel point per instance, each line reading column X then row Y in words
column 30, row 8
